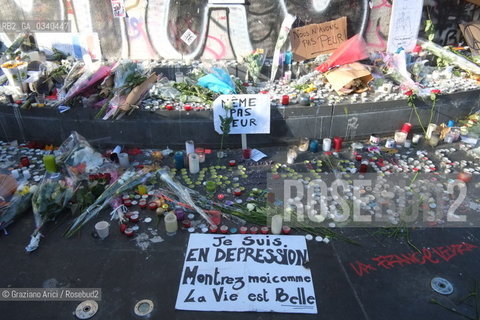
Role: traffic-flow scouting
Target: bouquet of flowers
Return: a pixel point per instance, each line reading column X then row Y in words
column 126, row 182
column 81, row 160
column 14, row 200
column 72, row 76
column 87, row 80
column 127, row 76
column 48, row 201
column 254, row 62
column 451, row 57
column 88, row 191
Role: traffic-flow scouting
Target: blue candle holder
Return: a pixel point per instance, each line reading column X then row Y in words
column 179, row 160
column 314, row 146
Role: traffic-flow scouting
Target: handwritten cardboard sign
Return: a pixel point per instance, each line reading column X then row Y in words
column 250, row 112
column 262, row 273
column 471, row 32
column 314, row 39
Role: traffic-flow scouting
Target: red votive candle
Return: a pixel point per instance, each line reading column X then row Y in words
column 134, row 217
column 253, row 230
column 224, row 229
column 285, row 100
column 264, row 230
column 169, row 107
column 213, row 228
column 337, row 143
column 128, row 232
column 243, row 230
column 406, row 127
column 247, row 153
column 286, row 229
column 127, row 203
column 187, row 107
column 24, row 161
column 237, row 192
column 232, row 163
column 152, row 206
column 186, row 223
column 142, row 204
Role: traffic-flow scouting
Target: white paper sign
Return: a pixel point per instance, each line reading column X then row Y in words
column 188, row 37
column 404, row 25
column 257, row 155
column 263, row 273
column 250, row 112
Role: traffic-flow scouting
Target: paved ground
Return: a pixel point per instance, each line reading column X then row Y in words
column 379, row 279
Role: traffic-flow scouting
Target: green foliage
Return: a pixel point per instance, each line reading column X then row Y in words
column 429, row 30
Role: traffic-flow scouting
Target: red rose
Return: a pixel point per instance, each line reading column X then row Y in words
column 409, row 93
column 435, row 91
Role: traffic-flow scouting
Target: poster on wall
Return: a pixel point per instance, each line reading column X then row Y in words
column 118, row 8
column 250, row 113
column 260, row 273
column 75, row 44
column 404, row 25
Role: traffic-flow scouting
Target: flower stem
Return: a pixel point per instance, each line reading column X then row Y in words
column 432, row 110
column 418, row 117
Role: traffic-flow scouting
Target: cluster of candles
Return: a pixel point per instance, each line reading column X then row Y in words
column 27, row 164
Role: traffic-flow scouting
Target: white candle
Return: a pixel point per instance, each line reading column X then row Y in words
column 193, row 163
column 26, row 174
column 416, row 138
column 171, row 224
column 276, row 224
column 327, row 144
column 291, row 156
column 15, row 174
column 431, row 128
column 123, row 160
column 189, row 146
column 117, row 150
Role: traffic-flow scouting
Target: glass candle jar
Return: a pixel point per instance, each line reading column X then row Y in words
column 201, row 154
column 434, row 139
column 303, row 145
column 314, row 146
column 49, row 162
column 179, row 160
column 189, row 146
column 193, row 163
column 400, row 137
column 291, row 155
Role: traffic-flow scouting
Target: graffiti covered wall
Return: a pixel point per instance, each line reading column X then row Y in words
column 217, row 29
